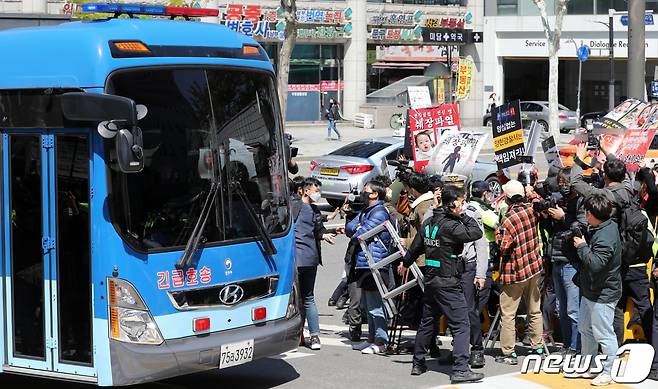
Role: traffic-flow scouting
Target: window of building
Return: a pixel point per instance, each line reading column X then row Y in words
column 602, row 6
column 508, row 7
column 580, row 7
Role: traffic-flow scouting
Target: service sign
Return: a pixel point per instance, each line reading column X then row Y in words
column 456, row 152
column 507, row 134
column 634, row 147
column 425, row 126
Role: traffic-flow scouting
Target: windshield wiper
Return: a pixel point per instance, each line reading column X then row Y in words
column 268, row 245
column 195, row 238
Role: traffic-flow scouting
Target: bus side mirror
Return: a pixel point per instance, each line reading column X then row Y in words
column 118, row 118
column 130, row 151
column 94, row 107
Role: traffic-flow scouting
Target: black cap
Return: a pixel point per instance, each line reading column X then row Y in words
column 478, row 188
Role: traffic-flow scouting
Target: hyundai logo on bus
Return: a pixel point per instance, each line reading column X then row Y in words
column 231, row 294
column 631, row 365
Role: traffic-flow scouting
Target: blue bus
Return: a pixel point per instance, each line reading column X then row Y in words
column 146, row 230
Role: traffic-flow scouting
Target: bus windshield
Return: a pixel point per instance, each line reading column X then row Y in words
column 223, row 125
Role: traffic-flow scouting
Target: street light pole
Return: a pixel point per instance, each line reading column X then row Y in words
column 611, row 57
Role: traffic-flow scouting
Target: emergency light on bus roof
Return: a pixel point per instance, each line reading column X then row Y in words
column 148, row 9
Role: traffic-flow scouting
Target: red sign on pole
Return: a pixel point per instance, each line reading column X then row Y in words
column 425, row 126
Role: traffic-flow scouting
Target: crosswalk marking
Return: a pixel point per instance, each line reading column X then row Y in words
column 539, row 381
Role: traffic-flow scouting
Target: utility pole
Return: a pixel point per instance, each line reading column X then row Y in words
column 636, row 54
column 611, row 57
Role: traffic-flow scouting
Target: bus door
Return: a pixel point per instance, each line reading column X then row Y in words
column 47, row 251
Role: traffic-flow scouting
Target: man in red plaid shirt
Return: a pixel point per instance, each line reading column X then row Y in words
column 518, row 238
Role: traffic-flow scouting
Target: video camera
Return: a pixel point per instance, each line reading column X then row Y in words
column 544, row 204
column 402, row 170
column 593, row 142
column 573, row 231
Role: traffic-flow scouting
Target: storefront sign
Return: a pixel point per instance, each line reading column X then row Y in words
column 507, row 134
column 257, row 13
column 258, row 29
column 409, row 53
column 394, row 34
column 456, row 152
column 69, row 8
column 634, row 147
column 444, row 35
column 326, row 86
column 450, row 23
column 425, row 125
column 395, row 19
column 464, row 78
column 321, row 32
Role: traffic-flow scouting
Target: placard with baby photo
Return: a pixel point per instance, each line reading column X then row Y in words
column 423, row 143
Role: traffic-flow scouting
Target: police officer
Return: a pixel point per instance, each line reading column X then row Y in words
column 442, row 239
column 476, row 255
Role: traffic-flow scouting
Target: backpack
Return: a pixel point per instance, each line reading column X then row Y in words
column 636, row 238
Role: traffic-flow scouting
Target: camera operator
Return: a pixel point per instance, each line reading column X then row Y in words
column 600, row 283
column 563, row 218
column 442, row 240
column 521, row 268
column 421, row 199
column 635, row 281
column 373, row 215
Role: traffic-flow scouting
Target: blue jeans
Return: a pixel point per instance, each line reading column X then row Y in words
column 377, row 325
column 332, row 127
column 568, row 295
column 596, row 329
column 306, row 275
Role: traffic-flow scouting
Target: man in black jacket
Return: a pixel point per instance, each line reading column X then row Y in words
column 568, row 212
column 441, row 238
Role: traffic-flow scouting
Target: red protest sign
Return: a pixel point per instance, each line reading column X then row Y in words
column 634, row 147
column 425, row 126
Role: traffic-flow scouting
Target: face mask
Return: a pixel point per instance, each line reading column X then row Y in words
column 389, row 194
column 565, row 191
column 365, row 197
column 315, row 197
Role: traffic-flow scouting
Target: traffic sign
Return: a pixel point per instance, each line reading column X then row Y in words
column 648, row 20
column 583, row 53
column 654, row 88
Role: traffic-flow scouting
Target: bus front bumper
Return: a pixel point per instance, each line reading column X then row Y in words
column 138, row 363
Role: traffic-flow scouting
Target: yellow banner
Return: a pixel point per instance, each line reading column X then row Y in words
column 508, row 140
column 440, row 91
column 464, row 78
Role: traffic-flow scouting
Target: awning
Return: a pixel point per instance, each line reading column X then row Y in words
column 400, row 65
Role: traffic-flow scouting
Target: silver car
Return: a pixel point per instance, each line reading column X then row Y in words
column 350, row 167
column 538, row 110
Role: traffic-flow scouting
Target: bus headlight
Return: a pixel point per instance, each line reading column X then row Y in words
column 130, row 320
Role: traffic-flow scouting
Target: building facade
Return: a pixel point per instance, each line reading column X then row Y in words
column 345, row 49
column 516, row 52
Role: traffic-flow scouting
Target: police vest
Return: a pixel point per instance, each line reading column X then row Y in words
column 441, row 259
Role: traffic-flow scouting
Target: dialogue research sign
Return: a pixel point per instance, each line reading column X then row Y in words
column 507, row 134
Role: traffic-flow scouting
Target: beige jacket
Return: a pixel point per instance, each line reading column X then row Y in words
column 418, row 209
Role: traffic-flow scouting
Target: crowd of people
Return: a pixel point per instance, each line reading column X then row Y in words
column 575, row 246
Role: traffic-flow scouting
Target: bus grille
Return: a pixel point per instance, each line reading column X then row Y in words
column 207, row 297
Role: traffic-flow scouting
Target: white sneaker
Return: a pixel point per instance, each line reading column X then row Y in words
column 587, row 375
column 361, row 346
column 373, row 349
column 602, row 380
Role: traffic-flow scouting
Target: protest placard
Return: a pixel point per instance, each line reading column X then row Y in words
column 507, row 134
column 551, row 152
column 424, row 127
column 634, row 147
column 456, row 152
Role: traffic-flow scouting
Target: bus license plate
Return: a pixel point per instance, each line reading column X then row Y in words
column 233, row 354
column 329, row 171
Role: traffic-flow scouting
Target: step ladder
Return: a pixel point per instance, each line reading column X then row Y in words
column 388, row 296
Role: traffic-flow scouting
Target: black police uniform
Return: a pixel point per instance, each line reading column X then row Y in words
column 442, row 239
